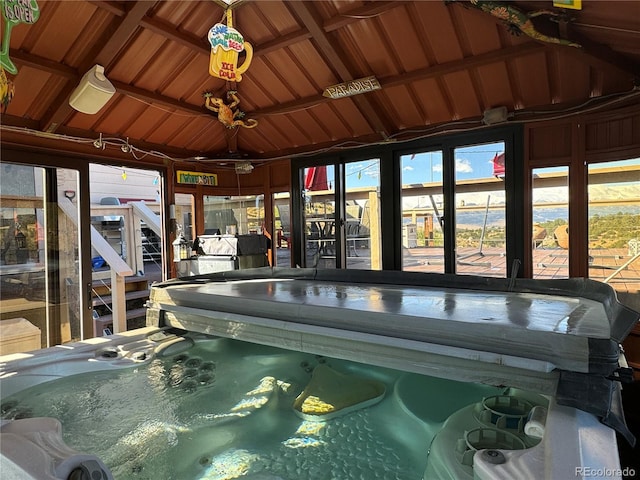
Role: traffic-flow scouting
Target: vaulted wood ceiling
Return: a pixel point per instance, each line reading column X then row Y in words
column 440, row 65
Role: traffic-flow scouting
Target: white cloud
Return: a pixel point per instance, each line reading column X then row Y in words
column 463, row 165
column 437, row 167
column 407, row 168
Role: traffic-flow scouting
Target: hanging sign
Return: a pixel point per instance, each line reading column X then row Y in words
column 226, row 45
column 354, row 87
column 197, row 178
column 15, row 12
column 575, row 4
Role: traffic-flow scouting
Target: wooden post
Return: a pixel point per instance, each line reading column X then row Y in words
column 375, row 236
column 428, row 231
column 119, row 304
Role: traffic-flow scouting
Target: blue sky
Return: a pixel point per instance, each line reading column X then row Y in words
column 471, row 163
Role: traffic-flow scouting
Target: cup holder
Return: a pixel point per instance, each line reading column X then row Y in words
column 505, row 412
column 107, row 353
column 485, row 438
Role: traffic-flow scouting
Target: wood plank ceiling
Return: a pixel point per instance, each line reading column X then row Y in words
column 440, row 64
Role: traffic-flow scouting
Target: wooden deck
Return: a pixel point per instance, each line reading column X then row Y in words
column 618, row 267
column 547, row 263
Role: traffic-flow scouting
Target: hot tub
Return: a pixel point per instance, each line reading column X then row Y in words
column 278, row 373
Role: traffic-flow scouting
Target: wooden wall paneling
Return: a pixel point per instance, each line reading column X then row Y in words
column 613, row 136
column 280, row 176
column 548, row 145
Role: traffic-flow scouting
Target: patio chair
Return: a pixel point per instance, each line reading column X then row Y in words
column 359, row 232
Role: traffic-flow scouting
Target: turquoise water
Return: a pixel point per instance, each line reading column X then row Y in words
column 223, row 410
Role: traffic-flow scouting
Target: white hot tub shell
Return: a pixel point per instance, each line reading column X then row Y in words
column 557, row 340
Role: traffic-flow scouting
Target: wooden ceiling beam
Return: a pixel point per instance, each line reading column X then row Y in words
column 111, row 7
column 61, row 110
column 602, row 54
column 151, row 97
column 368, row 10
column 123, row 33
column 310, row 19
column 598, row 53
column 435, row 71
column 44, row 64
column 281, row 42
column 504, row 54
column 169, row 32
column 200, row 44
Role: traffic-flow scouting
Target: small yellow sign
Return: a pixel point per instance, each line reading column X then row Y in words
column 575, row 4
column 197, row 178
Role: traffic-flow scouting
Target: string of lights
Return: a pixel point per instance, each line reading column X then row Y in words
column 521, row 116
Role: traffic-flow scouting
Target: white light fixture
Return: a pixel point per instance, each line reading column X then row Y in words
column 495, row 115
column 242, row 168
column 93, row 91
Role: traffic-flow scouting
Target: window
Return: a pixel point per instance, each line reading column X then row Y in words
column 240, row 215
column 614, row 227
column 480, row 210
column 422, row 201
column 41, row 297
column 550, row 214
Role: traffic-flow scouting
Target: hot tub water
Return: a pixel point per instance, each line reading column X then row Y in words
column 223, row 409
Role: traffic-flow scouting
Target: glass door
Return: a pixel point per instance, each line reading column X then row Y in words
column 341, row 213
column 41, row 295
column 362, row 234
column 319, row 212
column 281, row 238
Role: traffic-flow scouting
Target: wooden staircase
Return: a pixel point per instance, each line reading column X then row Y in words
column 136, row 295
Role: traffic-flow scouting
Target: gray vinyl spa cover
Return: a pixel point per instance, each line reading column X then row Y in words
column 558, row 337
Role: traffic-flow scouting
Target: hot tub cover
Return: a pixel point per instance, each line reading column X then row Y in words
column 558, row 337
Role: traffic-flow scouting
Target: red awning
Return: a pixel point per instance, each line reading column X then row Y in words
column 316, row 178
column 498, row 165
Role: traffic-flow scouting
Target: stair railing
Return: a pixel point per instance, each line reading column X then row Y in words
column 119, row 268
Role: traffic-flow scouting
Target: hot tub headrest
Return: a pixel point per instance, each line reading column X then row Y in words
column 35, row 446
